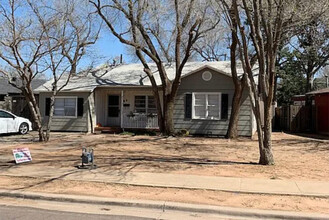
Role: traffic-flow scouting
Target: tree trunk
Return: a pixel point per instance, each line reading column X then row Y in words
column 35, row 111
column 266, row 155
column 275, row 89
column 36, row 120
column 264, row 134
column 73, row 70
column 50, row 118
column 308, row 83
column 169, row 119
column 232, row 132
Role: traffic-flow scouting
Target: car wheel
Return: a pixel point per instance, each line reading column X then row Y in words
column 23, row 128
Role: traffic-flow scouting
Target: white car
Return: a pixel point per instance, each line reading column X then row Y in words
column 10, row 123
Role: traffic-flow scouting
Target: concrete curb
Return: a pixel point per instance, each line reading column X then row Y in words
column 162, row 205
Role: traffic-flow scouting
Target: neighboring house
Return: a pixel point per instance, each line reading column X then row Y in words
column 11, row 98
column 321, row 103
column 122, row 97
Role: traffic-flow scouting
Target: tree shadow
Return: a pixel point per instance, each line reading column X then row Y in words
column 44, row 182
column 164, row 162
column 306, row 145
column 311, row 135
column 13, row 138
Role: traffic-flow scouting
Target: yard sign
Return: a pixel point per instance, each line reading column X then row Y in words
column 22, row 155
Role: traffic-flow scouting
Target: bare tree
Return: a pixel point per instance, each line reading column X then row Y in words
column 239, row 82
column 265, row 22
column 73, row 29
column 214, row 46
column 160, row 31
column 81, row 29
column 21, row 50
column 36, row 38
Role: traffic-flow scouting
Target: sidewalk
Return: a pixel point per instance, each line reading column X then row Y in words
column 229, row 184
column 147, row 208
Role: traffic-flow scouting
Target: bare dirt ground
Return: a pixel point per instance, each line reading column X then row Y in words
column 296, row 158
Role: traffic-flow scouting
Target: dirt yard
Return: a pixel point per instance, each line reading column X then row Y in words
column 296, row 158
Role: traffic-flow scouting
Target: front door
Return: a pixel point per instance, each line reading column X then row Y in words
column 113, row 110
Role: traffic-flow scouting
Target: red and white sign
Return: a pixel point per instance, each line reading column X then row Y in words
column 22, row 155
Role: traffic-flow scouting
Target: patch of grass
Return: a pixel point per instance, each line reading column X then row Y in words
column 139, row 132
column 127, row 133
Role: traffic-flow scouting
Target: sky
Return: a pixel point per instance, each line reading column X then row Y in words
column 105, row 49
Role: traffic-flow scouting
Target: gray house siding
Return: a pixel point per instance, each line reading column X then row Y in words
column 80, row 123
column 219, row 83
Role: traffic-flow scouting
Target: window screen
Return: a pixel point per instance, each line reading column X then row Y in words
column 65, row 107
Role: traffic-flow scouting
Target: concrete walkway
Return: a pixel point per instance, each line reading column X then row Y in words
column 230, row 184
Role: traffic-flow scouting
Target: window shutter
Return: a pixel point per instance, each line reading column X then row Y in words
column 224, row 108
column 188, row 105
column 80, row 107
column 47, row 109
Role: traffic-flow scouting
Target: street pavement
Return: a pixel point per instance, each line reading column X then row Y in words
column 25, row 209
column 26, row 213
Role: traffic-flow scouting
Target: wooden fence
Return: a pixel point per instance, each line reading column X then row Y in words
column 295, row 118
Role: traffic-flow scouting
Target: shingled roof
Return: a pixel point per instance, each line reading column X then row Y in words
column 6, row 88
column 131, row 75
column 321, row 91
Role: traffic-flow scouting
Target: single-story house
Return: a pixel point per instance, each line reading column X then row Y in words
column 321, row 103
column 121, row 96
column 11, row 98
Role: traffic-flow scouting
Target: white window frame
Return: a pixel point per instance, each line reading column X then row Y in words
column 206, row 105
column 76, row 106
column 146, row 105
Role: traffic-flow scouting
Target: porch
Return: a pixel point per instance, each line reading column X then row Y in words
column 125, row 108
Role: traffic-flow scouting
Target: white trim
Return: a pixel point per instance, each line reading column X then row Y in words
column 206, row 104
column 121, row 110
column 76, row 106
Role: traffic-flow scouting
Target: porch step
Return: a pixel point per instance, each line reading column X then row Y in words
column 108, row 130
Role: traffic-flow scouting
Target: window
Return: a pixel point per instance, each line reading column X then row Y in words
column 206, row 106
column 5, row 115
column 66, row 107
column 145, row 105
column 151, row 106
column 2, row 98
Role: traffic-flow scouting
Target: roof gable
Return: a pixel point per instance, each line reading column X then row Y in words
column 205, row 67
